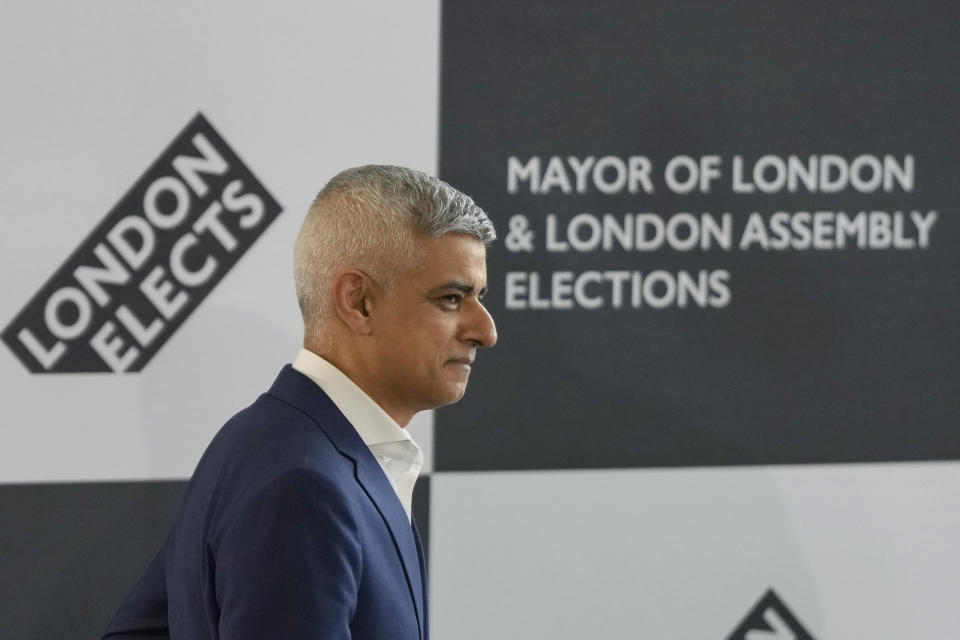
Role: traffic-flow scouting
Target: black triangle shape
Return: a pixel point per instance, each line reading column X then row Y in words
column 770, row 614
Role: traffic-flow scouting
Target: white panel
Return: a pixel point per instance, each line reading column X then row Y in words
column 866, row 551
column 421, row 430
column 92, row 95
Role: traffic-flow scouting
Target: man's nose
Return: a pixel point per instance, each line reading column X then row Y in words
column 480, row 328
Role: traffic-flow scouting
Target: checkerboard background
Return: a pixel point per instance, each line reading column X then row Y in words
column 571, row 494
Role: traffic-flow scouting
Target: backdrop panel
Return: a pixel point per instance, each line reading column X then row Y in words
column 93, row 97
column 727, row 258
column 729, row 231
column 861, row 551
column 70, row 553
column 727, row 241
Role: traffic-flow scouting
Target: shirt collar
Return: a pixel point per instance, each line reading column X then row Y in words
column 373, row 424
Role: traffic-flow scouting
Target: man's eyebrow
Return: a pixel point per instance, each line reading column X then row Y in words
column 462, row 287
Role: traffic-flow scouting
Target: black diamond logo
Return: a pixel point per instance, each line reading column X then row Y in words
column 770, row 620
column 149, row 263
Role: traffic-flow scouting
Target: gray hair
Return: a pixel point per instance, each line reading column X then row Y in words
column 369, row 217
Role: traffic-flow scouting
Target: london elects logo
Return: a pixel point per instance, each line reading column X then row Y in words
column 770, row 619
column 149, row 263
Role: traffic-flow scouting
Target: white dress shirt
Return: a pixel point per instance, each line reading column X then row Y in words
column 399, row 456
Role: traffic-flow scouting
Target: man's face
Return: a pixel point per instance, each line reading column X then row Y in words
column 426, row 333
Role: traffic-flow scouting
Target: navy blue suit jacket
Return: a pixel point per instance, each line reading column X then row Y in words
column 288, row 529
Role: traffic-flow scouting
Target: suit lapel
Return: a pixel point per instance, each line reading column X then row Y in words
column 297, row 389
column 375, row 483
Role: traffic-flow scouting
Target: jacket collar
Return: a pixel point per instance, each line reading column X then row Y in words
column 298, row 390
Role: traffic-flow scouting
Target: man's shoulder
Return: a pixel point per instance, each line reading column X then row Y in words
column 275, row 433
column 293, row 417
column 270, row 435
column 270, row 443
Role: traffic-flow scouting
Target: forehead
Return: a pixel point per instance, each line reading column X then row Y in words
column 451, row 255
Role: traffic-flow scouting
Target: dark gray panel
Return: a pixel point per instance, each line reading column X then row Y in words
column 827, row 356
column 69, row 553
column 421, row 512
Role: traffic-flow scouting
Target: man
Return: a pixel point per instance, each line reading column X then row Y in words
column 296, row 522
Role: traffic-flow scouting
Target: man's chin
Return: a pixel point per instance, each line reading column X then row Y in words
column 454, row 395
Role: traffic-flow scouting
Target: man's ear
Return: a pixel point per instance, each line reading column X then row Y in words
column 352, row 290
